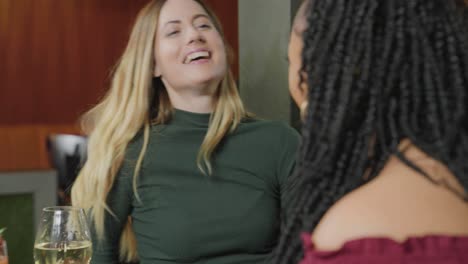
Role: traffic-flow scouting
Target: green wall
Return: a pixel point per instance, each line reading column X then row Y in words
column 16, row 213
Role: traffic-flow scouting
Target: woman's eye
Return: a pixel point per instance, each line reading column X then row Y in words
column 204, row 26
column 172, row 33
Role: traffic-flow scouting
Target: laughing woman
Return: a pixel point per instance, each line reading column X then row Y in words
column 177, row 171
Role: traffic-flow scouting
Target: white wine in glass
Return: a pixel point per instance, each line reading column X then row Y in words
column 63, row 237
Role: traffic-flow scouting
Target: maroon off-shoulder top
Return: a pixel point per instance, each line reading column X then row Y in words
column 418, row 250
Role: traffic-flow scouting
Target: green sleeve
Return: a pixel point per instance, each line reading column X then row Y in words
column 287, row 160
column 119, row 201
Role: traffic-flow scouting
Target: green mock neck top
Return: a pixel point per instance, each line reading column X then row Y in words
column 184, row 216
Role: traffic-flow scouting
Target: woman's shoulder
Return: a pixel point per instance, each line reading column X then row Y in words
column 397, row 204
column 269, row 127
column 135, row 143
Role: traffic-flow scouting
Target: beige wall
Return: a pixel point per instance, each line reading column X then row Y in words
column 264, row 27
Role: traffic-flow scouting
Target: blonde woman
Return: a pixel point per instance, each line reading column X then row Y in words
column 177, row 171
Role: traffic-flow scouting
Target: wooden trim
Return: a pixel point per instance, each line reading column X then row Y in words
column 23, row 147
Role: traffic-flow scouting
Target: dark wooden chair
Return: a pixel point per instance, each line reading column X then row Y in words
column 67, row 154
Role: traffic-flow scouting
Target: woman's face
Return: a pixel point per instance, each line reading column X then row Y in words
column 189, row 51
column 297, row 88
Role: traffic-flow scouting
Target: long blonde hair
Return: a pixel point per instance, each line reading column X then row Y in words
column 127, row 109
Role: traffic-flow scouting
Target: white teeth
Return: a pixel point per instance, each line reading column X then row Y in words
column 198, row 54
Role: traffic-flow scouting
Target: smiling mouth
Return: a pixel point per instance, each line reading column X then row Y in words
column 197, row 56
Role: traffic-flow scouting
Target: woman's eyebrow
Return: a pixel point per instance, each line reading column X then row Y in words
column 199, row 15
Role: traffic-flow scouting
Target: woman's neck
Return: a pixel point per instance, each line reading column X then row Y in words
column 194, row 104
column 434, row 169
column 195, row 99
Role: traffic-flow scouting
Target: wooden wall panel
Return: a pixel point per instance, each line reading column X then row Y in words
column 55, row 55
column 23, row 147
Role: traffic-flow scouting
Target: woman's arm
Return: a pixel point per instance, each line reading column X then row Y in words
column 119, row 201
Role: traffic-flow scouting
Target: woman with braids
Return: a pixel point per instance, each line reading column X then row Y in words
column 177, row 171
column 383, row 174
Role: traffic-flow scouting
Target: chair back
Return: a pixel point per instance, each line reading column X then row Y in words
column 67, row 154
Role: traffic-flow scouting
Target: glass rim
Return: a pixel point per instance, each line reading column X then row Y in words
column 62, row 209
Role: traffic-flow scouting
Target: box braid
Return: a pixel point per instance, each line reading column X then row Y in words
column 378, row 71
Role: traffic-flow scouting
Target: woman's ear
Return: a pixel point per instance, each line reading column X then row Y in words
column 157, row 71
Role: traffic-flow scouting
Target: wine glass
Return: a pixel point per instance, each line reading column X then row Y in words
column 63, row 237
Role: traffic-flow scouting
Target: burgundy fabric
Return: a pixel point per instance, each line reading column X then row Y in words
column 420, row 250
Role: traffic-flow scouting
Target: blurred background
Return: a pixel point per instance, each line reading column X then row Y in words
column 55, row 61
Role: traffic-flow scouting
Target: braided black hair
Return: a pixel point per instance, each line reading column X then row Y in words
column 378, row 72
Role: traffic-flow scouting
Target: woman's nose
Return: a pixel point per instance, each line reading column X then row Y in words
column 194, row 35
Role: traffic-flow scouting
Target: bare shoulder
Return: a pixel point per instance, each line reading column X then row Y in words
column 398, row 204
column 346, row 220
